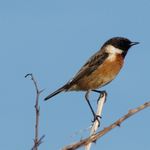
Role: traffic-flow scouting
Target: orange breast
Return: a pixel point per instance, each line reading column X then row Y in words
column 101, row 76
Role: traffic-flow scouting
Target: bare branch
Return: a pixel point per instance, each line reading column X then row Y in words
column 36, row 141
column 39, row 142
column 105, row 130
column 101, row 101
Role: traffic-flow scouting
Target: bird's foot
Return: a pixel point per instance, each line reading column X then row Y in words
column 97, row 117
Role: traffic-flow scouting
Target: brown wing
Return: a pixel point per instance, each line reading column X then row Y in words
column 92, row 64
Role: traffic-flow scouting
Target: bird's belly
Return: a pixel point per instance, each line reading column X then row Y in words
column 101, row 76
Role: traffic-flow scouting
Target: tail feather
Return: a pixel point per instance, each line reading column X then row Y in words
column 56, row 92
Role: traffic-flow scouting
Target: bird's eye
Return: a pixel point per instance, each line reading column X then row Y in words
column 121, row 42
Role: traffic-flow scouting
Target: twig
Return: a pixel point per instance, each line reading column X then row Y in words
column 36, row 141
column 101, row 101
column 39, row 142
column 105, row 130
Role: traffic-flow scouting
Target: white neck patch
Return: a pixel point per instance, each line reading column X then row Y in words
column 112, row 50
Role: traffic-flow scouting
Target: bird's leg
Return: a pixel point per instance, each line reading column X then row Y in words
column 101, row 94
column 95, row 116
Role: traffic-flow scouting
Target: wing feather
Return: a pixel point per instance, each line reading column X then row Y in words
column 91, row 65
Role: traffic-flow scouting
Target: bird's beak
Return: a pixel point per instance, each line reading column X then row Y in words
column 133, row 43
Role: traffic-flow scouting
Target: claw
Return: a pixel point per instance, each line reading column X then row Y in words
column 96, row 118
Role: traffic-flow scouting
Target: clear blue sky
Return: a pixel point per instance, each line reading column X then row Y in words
column 52, row 40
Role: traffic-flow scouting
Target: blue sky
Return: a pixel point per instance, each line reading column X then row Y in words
column 52, row 40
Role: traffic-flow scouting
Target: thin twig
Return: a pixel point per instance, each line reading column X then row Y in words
column 101, row 101
column 105, row 130
column 37, row 109
column 39, row 142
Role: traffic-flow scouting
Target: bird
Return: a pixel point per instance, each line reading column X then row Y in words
column 100, row 69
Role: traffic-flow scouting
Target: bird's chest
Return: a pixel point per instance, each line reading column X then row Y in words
column 104, row 74
column 109, row 69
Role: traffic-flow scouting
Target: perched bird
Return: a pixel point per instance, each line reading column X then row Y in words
column 100, row 69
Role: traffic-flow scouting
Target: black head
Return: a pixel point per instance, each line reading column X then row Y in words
column 120, row 43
